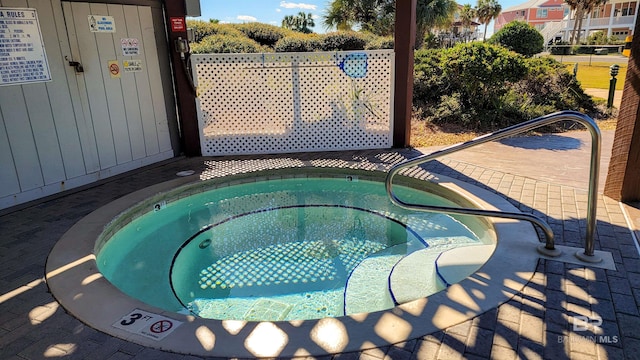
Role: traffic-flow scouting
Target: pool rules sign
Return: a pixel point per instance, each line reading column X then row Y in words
column 147, row 324
column 22, row 56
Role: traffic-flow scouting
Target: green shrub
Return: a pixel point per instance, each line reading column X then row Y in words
column 379, row 42
column 343, row 41
column 481, row 70
column 429, row 82
column 548, row 87
column 579, row 49
column 549, row 82
column 263, row 34
column 483, row 87
column 466, row 84
column 561, row 48
column 519, row 37
column 298, row 43
column 430, row 41
column 481, row 74
column 225, row 44
column 601, row 38
column 203, row 29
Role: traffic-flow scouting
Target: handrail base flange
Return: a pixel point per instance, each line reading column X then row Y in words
column 549, row 252
column 588, row 258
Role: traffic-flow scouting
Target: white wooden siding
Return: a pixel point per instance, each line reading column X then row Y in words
column 8, row 175
column 79, row 128
column 131, row 103
column 143, row 90
column 63, row 115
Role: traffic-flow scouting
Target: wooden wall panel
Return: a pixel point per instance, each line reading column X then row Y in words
column 81, row 127
column 8, row 177
column 113, row 89
column 67, row 31
column 94, row 83
column 59, row 92
column 143, row 88
column 44, row 133
column 18, row 127
column 128, row 84
column 20, row 135
column 155, row 82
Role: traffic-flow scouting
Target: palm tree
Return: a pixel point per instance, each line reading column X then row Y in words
column 431, row 14
column 467, row 14
column 371, row 15
column 305, row 22
column 289, row 22
column 486, row 11
column 377, row 15
column 573, row 6
column 339, row 15
column 301, row 22
column 584, row 8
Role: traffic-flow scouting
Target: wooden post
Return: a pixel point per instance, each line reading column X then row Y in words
column 405, row 38
column 190, row 134
column 623, row 177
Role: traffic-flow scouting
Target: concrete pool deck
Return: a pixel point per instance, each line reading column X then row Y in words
column 540, row 322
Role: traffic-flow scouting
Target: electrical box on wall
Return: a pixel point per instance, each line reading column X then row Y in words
column 192, row 7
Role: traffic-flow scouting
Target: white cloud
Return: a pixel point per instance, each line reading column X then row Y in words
column 246, row 18
column 273, row 22
column 315, row 16
column 290, row 5
column 278, row 10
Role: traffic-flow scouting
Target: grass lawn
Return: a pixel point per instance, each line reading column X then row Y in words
column 596, row 75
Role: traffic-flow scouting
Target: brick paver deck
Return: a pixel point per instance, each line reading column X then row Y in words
column 535, row 324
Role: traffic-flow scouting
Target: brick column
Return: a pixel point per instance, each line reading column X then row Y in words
column 623, row 178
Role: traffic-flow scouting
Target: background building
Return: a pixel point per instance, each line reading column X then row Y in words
column 555, row 20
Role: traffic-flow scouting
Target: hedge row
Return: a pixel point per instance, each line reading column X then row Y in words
column 263, row 34
column 258, row 37
column 203, row 29
column 225, row 44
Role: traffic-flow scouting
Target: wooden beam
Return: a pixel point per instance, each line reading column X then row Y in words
column 185, row 95
column 405, row 38
column 623, row 177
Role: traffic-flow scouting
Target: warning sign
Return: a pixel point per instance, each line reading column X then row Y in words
column 114, row 69
column 100, row 23
column 130, row 47
column 132, row 65
column 177, row 24
column 147, row 324
column 22, row 56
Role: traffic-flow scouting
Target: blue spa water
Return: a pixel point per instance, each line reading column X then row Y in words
column 300, row 248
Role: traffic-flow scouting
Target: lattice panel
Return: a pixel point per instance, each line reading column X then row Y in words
column 294, row 102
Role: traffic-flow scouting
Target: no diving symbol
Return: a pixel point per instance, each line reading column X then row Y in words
column 161, row 326
column 147, row 324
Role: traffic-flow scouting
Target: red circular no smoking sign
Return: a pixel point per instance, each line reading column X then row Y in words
column 114, row 69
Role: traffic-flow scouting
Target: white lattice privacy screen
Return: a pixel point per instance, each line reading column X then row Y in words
column 294, row 102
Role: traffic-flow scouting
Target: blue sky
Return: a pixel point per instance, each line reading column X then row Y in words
column 273, row 11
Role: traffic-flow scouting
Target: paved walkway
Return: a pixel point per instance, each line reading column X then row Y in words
column 535, row 324
column 604, row 94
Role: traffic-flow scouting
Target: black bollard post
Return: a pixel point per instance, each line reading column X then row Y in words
column 613, row 70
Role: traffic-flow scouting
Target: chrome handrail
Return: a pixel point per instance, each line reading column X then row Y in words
column 549, row 247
